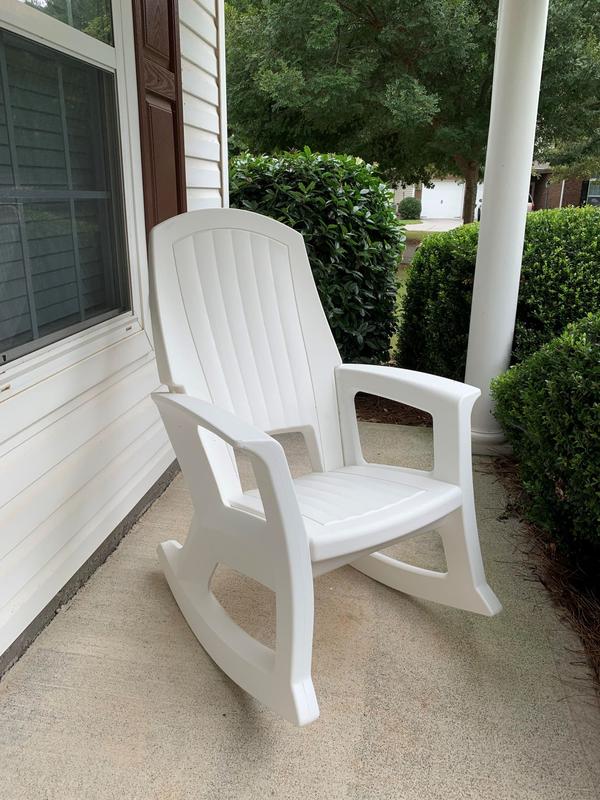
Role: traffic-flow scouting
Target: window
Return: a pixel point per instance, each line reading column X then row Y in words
column 593, row 197
column 89, row 16
column 63, row 264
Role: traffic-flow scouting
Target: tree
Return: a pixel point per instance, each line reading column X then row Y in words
column 407, row 85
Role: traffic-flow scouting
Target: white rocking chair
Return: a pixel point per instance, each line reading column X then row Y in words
column 245, row 349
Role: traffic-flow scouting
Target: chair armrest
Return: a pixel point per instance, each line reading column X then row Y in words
column 226, row 426
column 183, row 415
column 449, row 402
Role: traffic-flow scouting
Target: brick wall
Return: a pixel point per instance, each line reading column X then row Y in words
column 547, row 195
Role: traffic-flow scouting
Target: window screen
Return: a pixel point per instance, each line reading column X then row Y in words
column 62, row 252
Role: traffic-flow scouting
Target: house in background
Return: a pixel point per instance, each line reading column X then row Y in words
column 111, row 119
column 549, row 193
column 444, row 199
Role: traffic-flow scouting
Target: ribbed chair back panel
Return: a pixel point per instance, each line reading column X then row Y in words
column 238, row 322
column 235, row 285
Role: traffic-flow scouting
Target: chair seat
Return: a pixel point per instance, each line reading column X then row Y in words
column 354, row 509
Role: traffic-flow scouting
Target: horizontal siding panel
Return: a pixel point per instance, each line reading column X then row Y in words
column 6, row 176
column 11, row 270
column 42, row 140
column 25, row 519
column 10, row 290
column 19, row 322
column 198, row 51
column 10, row 253
column 200, row 37
column 203, row 198
column 202, row 174
column 57, row 441
column 196, row 18
column 53, row 278
column 53, row 297
column 209, row 6
column 201, row 144
column 108, row 497
column 25, row 408
column 199, row 114
column 9, row 225
column 198, row 83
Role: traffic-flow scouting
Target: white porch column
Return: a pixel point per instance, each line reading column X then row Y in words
column 515, row 92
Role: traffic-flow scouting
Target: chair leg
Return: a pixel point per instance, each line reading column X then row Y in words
column 464, row 584
column 280, row 678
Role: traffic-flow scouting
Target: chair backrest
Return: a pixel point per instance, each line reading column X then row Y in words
column 238, row 322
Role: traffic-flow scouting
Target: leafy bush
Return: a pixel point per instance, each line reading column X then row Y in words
column 549, row 407
column 434, row 324
column 409, row 208
column 560, row 283
column 354, row 241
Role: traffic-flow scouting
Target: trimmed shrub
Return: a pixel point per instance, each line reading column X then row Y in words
column 549, row 407
column 409, row 208
column 354, row 240
column 560, row 283
column 435, row 312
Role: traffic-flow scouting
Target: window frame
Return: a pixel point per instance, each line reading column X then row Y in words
column 119, row 60
column 591, row 183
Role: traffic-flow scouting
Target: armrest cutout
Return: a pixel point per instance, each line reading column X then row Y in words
column 372, row 408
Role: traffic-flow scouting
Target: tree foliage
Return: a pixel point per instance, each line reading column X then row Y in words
column 402, row 84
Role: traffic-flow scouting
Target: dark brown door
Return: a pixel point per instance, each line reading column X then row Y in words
column 156, row 26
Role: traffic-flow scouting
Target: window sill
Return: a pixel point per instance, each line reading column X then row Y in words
column 25, row 372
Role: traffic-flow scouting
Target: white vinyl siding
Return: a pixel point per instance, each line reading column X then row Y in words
column 81, row 441
column 202, row 75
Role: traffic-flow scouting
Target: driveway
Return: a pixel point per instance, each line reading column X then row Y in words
column 435, row 225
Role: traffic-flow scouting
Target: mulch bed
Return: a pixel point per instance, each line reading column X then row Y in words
column 574, row 588
column 370, row 408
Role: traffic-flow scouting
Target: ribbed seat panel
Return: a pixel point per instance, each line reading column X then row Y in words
column 369, row 501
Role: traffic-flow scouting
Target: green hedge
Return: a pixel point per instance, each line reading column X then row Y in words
column 549, row 407
column 560, row 283
column 354, row 241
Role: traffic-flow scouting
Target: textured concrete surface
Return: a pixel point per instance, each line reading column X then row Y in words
column 116, row 699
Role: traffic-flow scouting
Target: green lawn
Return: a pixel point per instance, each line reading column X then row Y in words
column 410, row 221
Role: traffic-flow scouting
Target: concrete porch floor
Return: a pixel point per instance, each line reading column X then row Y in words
column 116, row 699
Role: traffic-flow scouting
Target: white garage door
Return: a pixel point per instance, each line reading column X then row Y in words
column 444, row 201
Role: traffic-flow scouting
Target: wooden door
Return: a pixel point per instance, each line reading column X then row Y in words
column 156, row 29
